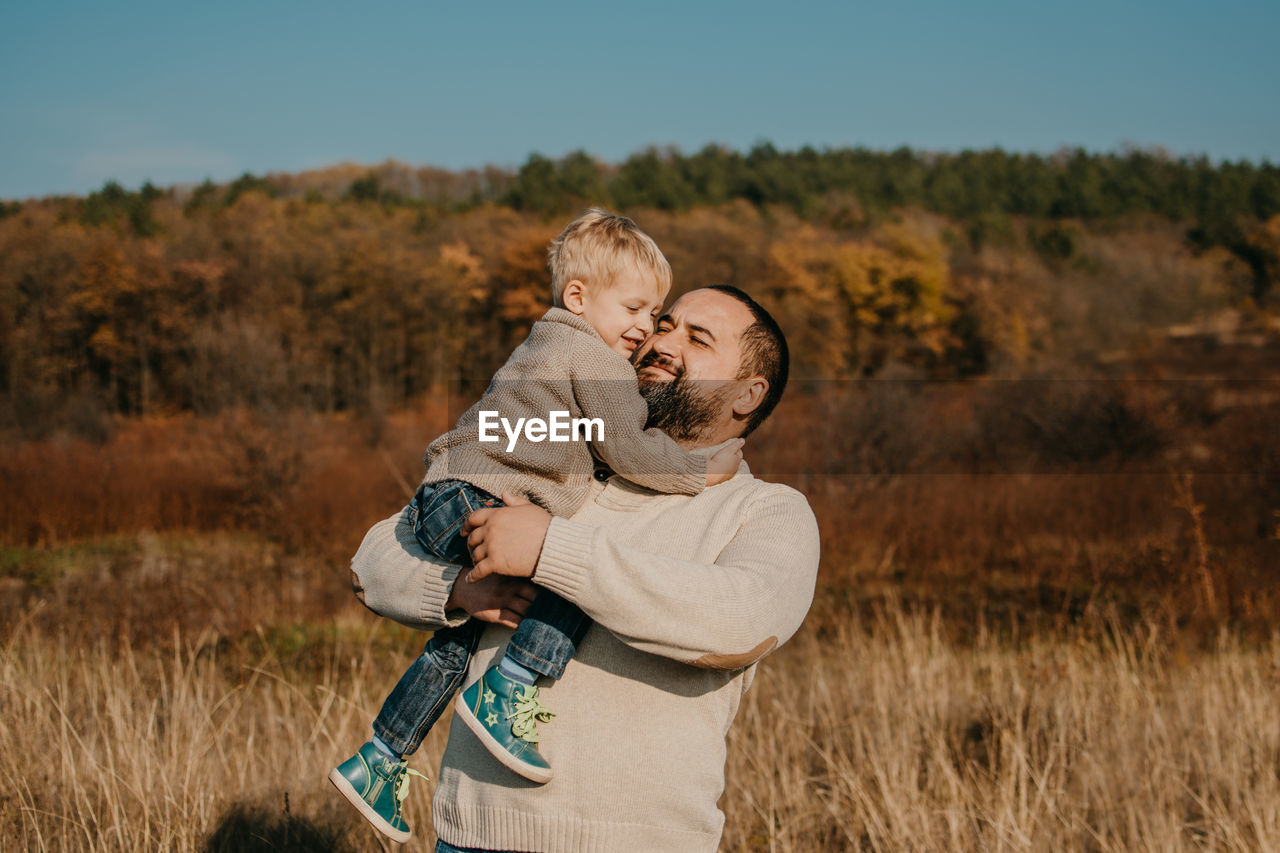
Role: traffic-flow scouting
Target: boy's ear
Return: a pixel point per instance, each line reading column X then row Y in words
column 751, row 395
column 572, row 295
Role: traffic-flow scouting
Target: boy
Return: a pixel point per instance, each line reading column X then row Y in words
column 609, row 281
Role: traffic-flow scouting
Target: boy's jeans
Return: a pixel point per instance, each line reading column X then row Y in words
column 446, row 847
column 546, row 640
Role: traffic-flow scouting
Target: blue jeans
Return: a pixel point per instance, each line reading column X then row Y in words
column 545, row 642
column 446, row 847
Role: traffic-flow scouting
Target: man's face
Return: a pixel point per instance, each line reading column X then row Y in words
column 688, row 368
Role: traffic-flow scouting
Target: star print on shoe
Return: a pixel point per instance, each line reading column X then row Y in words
column 509, row 728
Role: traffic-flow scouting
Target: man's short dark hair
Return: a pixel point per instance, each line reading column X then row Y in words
column 764, row 353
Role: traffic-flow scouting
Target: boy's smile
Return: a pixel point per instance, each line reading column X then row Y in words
column 622, row 314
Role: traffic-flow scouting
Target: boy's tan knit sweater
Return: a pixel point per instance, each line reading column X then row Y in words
column 692, row 591
column 565, row 366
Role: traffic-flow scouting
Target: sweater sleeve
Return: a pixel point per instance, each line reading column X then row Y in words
column 394, row 577
column 721, row 615
column 646, row 457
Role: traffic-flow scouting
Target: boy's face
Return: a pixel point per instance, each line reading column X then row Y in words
column 622, row 314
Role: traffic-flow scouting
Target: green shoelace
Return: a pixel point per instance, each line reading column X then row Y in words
column 528, row 713
column 402, row 784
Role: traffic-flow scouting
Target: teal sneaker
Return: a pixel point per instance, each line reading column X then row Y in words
column 376, row 784
column 505, row 714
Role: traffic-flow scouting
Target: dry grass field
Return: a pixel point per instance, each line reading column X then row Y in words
column 865, row 733
column 888, row 736
column 1017, row 644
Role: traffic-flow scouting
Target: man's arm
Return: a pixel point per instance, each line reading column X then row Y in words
column 721, row 615
column 394, row 577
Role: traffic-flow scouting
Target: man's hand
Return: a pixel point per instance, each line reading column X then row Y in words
column 506, row 540
column 502, row 601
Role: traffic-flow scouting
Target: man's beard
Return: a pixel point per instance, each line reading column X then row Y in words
column 679, row 407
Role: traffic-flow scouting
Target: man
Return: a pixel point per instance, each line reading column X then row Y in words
column 687, row 594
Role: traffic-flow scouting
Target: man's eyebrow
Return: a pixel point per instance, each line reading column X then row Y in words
column 666, row 318
column 702, row 330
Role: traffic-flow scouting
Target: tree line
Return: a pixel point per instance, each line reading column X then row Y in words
column 816, row 185
column 358, row 289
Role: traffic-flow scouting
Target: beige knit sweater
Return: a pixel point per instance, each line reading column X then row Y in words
column 692, row 591
column 565, row 366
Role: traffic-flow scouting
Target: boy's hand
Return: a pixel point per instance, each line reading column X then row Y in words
column 724, row 464
column 506, row 540
column 502, row 601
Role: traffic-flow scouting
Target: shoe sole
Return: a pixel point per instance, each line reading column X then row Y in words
column 379, row 822
column 515, row 765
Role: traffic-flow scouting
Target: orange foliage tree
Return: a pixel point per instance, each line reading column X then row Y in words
column 851, row 306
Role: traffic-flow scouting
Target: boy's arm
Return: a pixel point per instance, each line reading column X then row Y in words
column 721, row 615
column 646, row 457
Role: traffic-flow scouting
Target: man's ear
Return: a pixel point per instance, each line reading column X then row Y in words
column 572, row 295
column 750, row 396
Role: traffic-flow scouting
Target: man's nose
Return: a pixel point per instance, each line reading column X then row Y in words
column 665, row 346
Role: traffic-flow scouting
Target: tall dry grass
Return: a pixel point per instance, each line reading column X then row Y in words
column 881, row 734
column 189, row 747
column 888, row 736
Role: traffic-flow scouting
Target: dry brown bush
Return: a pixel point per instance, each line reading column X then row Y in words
column 1047, row 497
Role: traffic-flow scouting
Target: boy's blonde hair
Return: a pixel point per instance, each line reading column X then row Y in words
column 598, row 245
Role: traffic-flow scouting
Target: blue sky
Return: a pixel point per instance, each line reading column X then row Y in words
column 176, row 92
